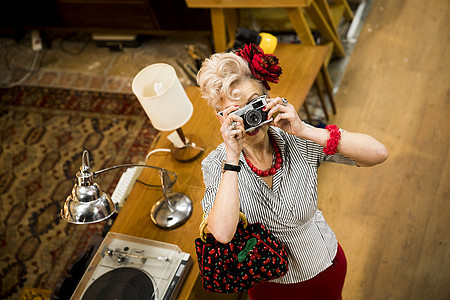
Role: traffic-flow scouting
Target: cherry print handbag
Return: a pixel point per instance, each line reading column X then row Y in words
column 254, row 255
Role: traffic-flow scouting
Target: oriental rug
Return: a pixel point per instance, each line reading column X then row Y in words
column 43, row 132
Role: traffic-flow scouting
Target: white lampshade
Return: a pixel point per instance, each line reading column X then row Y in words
column 162, row 96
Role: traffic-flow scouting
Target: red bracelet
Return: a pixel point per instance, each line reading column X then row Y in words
column 333, row 141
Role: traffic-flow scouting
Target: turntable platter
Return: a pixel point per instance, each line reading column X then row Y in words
column 121, row 284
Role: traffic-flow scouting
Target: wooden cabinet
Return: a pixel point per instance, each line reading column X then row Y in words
column 132, row 16
column 121, row 14
column 25, row 13
column 137, row 15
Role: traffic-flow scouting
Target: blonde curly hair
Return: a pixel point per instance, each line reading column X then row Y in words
column 220, row 74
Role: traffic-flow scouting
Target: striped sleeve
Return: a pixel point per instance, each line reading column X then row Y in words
column 314, row 154
column 212, row 170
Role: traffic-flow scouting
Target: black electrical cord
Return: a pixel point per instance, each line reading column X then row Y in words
column 148, row 185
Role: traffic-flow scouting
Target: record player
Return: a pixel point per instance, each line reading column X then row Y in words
column 127, row 267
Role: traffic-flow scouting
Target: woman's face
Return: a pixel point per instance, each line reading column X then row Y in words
column 249, row 90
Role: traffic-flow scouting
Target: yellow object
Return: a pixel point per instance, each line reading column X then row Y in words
column 268, row 42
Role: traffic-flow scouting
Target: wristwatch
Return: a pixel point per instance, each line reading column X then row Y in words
column 228, row 167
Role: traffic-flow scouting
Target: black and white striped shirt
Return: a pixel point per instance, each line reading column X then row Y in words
column 289, row 209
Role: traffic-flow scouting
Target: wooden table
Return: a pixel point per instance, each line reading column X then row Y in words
column 224, row 19
column 301, row 66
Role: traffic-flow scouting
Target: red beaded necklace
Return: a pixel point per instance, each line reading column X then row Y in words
column 276, row 164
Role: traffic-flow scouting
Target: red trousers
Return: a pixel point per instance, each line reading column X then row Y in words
column 326, row 285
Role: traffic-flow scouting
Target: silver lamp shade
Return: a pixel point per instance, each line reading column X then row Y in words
column 87, row 202
column 79, row 209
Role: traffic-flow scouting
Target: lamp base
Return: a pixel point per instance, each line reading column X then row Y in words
column 163, row 217
column 190, row 152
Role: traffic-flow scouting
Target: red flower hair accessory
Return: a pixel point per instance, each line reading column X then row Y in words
column 264, row 67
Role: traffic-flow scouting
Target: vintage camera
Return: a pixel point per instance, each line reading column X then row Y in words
column 252, row 113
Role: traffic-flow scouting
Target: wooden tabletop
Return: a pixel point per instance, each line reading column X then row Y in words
column 300, row 67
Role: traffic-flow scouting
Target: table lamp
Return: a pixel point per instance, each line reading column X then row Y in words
column 167, row 105
column 88, row 203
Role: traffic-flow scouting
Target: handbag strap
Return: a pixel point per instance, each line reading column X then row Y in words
column 204, row 223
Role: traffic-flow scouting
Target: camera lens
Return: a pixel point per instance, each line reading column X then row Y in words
column 253, row 118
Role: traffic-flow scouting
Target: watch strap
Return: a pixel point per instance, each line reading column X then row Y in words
column 228, row 167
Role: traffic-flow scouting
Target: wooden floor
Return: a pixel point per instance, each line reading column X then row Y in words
column 393, row 220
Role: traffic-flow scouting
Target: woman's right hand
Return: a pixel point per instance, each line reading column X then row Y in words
column 233, row 133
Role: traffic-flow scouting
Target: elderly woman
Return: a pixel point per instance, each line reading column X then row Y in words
column 270, row 174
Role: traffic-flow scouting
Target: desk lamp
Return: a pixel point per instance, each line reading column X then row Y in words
column 89, row 204
column 167, row 106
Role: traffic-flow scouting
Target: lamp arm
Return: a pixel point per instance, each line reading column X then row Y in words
column 134, row 165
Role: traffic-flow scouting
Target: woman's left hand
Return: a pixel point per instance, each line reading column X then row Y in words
column 285, row 116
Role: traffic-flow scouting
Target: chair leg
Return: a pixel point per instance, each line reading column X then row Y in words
column 321, row 98
column 328, row 86
column 324, row 28
column 301, row 27
column 348, row 14
column 326, row 12
column 308, row 115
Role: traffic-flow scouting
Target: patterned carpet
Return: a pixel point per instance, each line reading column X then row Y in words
column 43, row 133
